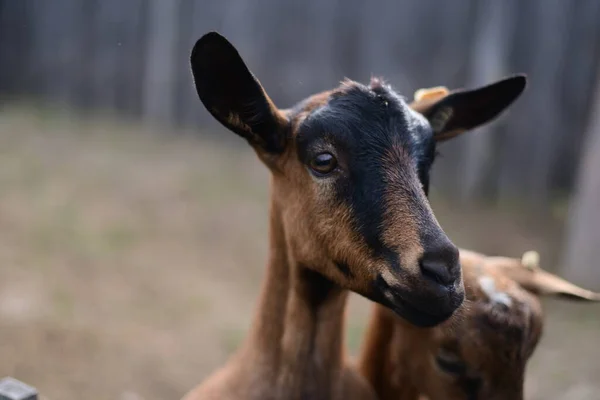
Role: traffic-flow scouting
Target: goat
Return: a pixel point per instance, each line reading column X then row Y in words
column 348, row 212
column 479, row 353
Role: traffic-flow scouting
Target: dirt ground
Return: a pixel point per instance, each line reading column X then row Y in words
column 131, row 260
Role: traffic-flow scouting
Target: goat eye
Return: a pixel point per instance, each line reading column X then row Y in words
column 450, row 363
column 323, row 164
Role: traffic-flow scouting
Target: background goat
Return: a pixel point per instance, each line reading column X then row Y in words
column 482, row 351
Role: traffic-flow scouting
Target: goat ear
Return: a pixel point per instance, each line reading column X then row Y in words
column 462, row 110
column 233, row 96
column 424, row 98
column 528, row 274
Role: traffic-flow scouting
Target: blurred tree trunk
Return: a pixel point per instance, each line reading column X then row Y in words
column 490, row 49
column 582, row 255
column 14, row 20
column 160, row 63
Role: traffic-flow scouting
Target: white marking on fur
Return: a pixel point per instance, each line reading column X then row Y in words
column 389, row 278
column 489, row 288
column 389, row 295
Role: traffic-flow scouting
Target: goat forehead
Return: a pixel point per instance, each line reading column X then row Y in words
column 368, row 121
column 498, row 338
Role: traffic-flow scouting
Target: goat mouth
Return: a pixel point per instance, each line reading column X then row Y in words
column 417, row 316
column 423, row 318
column 420, row 309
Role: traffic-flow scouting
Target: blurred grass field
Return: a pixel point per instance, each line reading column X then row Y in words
column 131, row 259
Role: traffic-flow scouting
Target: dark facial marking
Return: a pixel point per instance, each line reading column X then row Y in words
column 425, row 164
column 344, row 269
column 380, row 283
column 469, row 383
column 361, row 124
column 401, row 306
column 318, row 289
column 456, row 368
column 471, row 387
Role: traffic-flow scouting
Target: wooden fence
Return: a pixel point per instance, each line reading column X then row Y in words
column 132, row 57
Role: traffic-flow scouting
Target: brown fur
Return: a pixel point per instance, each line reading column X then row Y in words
column 495, row 343
column 296, row 346
column 401, row 223
column 316, row 251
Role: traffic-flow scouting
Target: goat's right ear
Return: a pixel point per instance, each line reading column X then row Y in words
column 233, row 96
column 528, row 274
column 452, row 113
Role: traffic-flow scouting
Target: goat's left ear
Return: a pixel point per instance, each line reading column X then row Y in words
column 463, row 110
column 527, row 273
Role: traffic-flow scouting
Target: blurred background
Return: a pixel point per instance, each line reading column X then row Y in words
column 133, row 226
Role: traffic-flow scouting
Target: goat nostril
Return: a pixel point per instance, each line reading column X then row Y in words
column 437, row 271
column 440, row 263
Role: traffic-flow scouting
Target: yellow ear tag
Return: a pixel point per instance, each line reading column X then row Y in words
column 531, row 260
column 424, row 98
column 431, row 94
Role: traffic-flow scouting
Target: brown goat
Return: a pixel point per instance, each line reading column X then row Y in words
column 348, row 211
column 481, row 352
